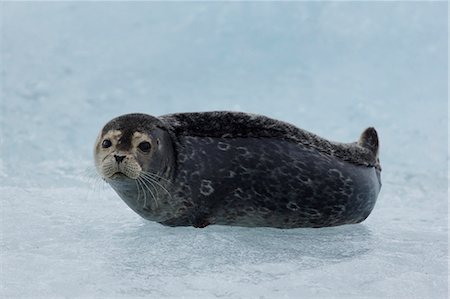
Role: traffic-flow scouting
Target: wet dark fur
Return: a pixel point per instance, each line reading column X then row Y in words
column 249, row 170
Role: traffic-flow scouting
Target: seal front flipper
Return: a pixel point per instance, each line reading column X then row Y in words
column 201, row 223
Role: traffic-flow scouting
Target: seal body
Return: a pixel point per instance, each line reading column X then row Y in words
column 248, row 170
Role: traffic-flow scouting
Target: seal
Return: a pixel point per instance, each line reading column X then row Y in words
column 233, row 168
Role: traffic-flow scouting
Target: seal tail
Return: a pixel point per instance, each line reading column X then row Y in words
column 369, row 140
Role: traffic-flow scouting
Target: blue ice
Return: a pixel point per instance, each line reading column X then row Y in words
column 332, row 68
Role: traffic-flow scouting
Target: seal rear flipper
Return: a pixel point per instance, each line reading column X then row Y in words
column 369, row 140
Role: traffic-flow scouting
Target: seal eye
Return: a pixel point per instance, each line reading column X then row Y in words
column 106, row 143
column 144, row 146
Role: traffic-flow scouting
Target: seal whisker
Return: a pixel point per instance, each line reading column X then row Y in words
column 147, row 173
column 141, row 186
column 148, row 188
column 96, row 184
column 91, row 176
column 152, row 180
column 143, row 191
column 138, row 189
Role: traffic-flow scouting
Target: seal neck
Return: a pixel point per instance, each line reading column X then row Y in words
column 149, row 195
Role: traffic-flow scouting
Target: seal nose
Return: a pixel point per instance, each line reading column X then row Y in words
column 119, row 158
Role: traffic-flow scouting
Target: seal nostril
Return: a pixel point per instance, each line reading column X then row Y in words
column 119, row 158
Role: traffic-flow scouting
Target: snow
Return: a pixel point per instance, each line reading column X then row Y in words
column 332, row 68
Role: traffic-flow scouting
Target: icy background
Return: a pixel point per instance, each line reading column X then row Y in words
column 331, row 68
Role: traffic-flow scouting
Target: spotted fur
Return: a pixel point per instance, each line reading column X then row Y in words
column 242, row 169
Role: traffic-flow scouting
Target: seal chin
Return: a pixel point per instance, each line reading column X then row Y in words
column 119, row 177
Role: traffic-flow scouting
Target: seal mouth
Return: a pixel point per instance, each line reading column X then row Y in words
column 118, row 175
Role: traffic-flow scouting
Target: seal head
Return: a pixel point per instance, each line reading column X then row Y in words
column 134, row 153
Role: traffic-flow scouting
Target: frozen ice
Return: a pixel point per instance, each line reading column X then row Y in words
column 332, row 68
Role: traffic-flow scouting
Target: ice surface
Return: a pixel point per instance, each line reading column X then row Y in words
column 331, row 68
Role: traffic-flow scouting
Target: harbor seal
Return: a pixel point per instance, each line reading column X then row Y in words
column 233, row 168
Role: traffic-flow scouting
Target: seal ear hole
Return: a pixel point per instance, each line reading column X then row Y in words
column 106, row 143
column 145, row 146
